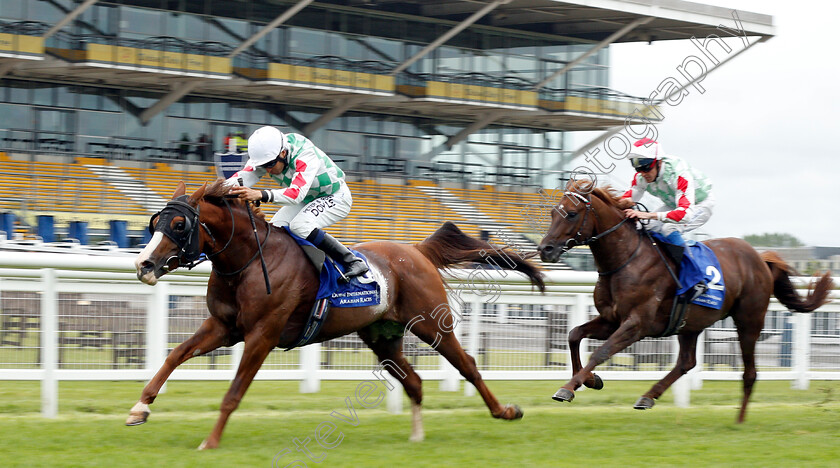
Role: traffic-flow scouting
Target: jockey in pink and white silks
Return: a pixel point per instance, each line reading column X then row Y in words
column 686, row 193
column 314, row 192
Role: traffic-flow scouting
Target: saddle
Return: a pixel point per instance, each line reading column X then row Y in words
column 681, row 301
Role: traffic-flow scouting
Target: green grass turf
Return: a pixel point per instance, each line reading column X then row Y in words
column 784, row 427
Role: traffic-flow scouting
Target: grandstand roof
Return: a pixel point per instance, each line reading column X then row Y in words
column 591, row 20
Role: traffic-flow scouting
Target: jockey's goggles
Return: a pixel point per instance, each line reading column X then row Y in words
column 271, row 163
column 643, row 164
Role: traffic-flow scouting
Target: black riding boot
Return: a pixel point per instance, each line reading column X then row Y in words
column 353, row 265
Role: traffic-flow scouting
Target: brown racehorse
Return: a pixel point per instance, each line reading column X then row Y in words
column 240, row 309
column 634, row 291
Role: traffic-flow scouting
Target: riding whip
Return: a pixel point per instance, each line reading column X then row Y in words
column 257, row 238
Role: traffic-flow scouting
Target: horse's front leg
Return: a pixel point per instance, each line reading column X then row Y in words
column 256, row 350
column 210, row 335
column 686, row 361
column 597, row 328
column 627, row 333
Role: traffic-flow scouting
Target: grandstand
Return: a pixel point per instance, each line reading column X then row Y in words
column 447, row 110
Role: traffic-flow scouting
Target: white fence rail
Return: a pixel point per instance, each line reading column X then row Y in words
column 78, row 317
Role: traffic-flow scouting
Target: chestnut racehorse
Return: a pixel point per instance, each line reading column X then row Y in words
column 635, row 291
column 412, row 290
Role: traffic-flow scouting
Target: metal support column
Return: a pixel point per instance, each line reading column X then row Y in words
column 609, row 40
column 449, row 35
column 70, row 17
column 189, row 86
column 612, row 131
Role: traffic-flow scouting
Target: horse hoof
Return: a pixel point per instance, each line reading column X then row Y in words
column 136, row 419
column 644, row 403
column 207, row 445
column 417, row 437
column 517, row 412
column 597, row 383
column 138, row 414
column 564, row 395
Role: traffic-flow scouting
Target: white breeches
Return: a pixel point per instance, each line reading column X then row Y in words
column 320, row 213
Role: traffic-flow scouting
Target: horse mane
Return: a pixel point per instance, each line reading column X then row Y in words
column 216, row 191
column 607, row 193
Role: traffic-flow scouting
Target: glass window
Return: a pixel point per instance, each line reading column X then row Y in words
column 449, row 61
column 88, row 98
column 14, row 116
column 227, row 31
column 409, row 148
column 239, row 112
column 217, row 110
column 48, row 120
column 19, row 92
column 100, row 124
column 344, row 143
column 49, row 12
column 111, row 99
column 383, row 49
column 306, row 43
column 65, row 97
column 191, row 28
column 12, row 10
column 138, row 22
column 42, row 94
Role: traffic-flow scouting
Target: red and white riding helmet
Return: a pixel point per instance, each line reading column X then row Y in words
column 644, row 154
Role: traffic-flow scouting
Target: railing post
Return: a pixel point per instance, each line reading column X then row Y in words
column 451, row 378
column 236, row 356
column 49, row 340
column 578, row 317
column 394, row 400
column 682, row 387
column 474, row 341
column 157, row 317
column 310, row 364
column 801, row 350
column 696, row 374
column 157, row 330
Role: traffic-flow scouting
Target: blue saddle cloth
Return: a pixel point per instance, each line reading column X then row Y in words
column 700, row 265
column 360, row 291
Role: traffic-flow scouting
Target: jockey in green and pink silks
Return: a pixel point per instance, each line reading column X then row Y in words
column 685, row 192
column 314, row 194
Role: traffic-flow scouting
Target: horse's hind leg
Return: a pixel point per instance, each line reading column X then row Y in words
column 256, row 350
column 450, row 348
column 209, row 336
column 389, row 352
column 686, row 361
column 749, row 327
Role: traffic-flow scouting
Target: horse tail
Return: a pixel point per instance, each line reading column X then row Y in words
column 785, row 292
column 450, row 246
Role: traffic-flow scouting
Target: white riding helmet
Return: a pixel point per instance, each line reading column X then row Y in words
column 265, row 146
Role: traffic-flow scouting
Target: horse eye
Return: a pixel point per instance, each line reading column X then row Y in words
column 179, row 226
column 572, row 215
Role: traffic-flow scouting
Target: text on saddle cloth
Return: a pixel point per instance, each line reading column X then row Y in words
column 701, row 265
column 360, row 291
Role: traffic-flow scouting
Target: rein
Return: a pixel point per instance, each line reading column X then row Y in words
column 258, row 253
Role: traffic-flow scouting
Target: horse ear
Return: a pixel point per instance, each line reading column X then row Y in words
column 198, row 194
column 181, row 189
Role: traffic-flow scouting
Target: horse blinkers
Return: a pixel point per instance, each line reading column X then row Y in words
column 548, row 250
column 186, row 238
